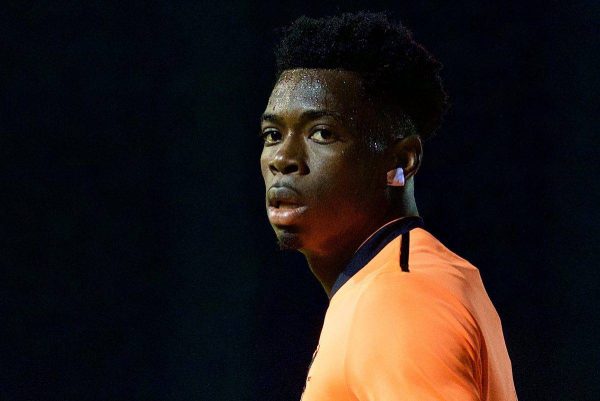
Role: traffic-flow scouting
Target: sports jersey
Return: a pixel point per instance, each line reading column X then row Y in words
column 409, row 320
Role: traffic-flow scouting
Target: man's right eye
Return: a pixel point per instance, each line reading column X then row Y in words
column 271, row 137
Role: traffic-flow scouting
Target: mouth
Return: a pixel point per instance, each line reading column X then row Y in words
column 287, row 215
column 277, row 204
column 284, row 206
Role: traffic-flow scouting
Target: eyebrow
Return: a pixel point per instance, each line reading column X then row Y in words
column 305, row 116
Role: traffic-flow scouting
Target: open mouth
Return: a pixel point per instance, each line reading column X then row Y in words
column 286, row 214
column 284, row 206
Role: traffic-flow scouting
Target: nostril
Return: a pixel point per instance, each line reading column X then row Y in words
column 290, row 169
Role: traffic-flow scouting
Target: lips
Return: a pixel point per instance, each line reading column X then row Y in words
column 284, row 206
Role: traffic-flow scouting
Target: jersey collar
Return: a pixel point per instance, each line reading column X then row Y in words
column 371, row 247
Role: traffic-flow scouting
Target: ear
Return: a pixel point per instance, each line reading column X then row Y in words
column 407, row 153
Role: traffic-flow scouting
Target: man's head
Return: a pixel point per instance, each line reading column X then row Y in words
column 354, row 94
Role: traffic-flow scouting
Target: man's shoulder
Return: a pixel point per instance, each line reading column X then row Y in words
column 433, row 269
column 426, row 249
column 409, row 314
column 439, row 291
column 439, row 283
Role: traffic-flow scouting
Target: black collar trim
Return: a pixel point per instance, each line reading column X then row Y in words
column 373, row 246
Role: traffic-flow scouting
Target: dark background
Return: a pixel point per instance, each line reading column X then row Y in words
column 137, row 261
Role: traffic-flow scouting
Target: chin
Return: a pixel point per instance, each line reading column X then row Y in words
column 288, row 240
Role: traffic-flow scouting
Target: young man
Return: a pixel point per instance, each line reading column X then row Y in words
column 408, row 319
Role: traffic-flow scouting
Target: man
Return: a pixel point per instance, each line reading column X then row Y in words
column 343, row 129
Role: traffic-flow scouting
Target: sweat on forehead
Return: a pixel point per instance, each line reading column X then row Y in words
column 311, row 87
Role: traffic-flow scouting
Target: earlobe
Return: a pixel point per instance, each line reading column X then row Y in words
column 395, row 177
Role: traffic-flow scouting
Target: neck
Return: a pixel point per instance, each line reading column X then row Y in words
column 327, row 268
column 328, row 265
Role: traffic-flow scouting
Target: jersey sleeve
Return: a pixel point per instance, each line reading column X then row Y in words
column 411, row 341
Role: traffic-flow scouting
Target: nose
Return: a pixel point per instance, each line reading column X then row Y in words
column 289, row 157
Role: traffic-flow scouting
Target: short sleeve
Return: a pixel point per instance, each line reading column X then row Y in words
column 412, row 341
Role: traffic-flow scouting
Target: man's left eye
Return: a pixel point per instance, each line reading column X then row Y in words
column 323, row 136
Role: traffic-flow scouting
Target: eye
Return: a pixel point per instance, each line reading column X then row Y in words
column 323, row 136
column 271, row 137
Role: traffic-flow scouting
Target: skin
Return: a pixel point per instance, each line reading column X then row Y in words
column 335, row 184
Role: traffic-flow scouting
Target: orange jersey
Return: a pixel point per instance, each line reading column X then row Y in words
column 428, row 334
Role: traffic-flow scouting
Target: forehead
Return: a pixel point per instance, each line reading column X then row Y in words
column 301, row 89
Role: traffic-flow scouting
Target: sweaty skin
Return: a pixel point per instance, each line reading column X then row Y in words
column 326, row 189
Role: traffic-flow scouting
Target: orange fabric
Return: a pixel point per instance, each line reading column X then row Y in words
column 429, row 334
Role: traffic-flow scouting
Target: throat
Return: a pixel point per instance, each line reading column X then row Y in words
column 338, row 254
column 333, row 255
column 327, row 268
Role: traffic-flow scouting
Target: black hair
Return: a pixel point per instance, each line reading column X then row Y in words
column 397, row 71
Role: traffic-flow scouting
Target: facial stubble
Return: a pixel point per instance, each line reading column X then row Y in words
column 288, row 241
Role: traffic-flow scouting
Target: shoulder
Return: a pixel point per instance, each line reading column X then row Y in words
column 439, row 282
column 428, row 309
column 416, row 332
column 411, row 304
column 409, row 337
column 436, row 298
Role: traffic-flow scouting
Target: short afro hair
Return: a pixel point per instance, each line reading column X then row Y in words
column 396, row 70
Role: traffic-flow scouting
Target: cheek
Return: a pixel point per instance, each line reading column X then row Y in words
column 348, row 182
column 264, row 165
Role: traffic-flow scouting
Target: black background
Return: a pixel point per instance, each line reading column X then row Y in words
column 137, row 261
